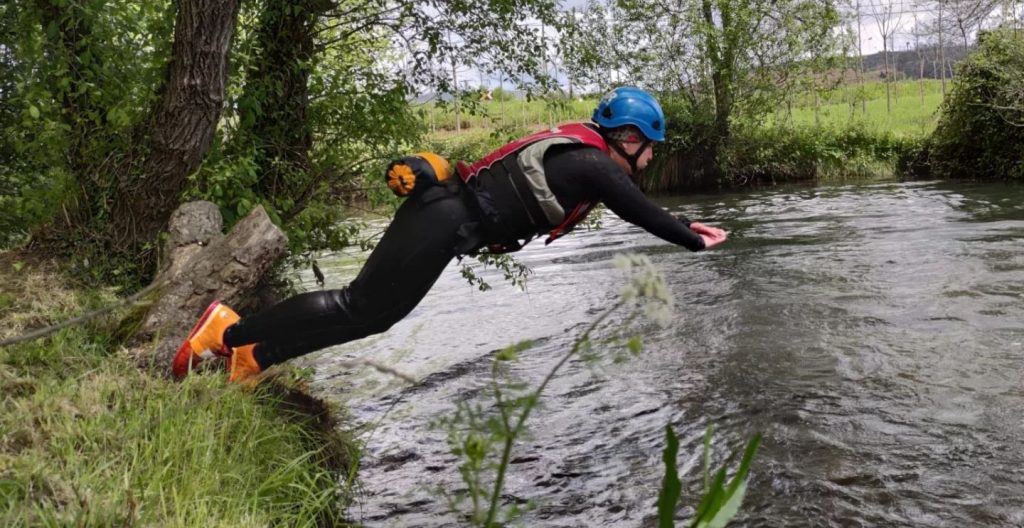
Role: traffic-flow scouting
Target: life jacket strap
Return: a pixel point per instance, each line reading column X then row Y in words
column 574, row 217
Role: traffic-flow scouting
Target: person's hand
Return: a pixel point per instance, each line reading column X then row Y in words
column 712, row 235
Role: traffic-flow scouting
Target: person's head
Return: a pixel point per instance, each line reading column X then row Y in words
column 631, row 121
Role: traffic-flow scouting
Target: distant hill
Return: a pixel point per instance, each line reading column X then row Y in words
column 908, row 63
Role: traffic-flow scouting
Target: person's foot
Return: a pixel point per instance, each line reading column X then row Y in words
column 243, row 366
column 206, row 339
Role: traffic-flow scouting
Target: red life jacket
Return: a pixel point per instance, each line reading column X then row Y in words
column 511, row 187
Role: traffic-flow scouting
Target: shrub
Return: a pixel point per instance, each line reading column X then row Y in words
column 776, row 154
column 981, row 131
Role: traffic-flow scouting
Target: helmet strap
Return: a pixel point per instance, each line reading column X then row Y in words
column 632, row 159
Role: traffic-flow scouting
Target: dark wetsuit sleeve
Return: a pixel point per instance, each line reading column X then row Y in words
column 578, row 173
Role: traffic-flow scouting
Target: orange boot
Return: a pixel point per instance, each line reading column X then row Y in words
column 243, row 366
column 205, row 340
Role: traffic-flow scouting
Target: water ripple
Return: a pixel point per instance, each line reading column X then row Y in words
column 872, row 333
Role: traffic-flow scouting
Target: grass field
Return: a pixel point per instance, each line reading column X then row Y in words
column 910, row 113
column 511, row 113
column 913, row 112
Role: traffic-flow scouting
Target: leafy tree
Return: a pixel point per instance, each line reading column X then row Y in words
column 76, row 82
column 179, row 129
column 12, row 177
column 720, row 58
column 980, row 133
column 118, row 112
column 111, row 106
column 324, row 98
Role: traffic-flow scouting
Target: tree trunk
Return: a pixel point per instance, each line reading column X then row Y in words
column 201, row 264
column 719, row 53
column 942, row 54
column 183, row 122
column 888, row 76
column 920, row 79
column 817, row 107
column 860, row 72
column 276, row 101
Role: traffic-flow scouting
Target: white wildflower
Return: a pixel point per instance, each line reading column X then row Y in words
column 645, row 287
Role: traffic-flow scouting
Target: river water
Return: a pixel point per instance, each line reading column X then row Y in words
column 873, row 333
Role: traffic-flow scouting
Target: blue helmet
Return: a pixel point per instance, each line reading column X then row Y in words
column 631, row 106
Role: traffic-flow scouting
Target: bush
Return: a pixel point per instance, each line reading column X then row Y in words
column 981, row 131
column 756, row 153
column 778, row 154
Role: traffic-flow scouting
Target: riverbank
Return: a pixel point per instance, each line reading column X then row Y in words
column 90, row 440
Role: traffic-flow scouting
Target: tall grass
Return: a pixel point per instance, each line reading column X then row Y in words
column 90, row 440
column 777, row 154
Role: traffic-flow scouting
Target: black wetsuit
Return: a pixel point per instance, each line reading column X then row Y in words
column 428, row 231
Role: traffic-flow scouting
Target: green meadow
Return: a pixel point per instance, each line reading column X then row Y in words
column 912, row 111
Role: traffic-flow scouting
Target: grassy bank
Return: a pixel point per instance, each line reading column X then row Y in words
column 769, row 155
column 90, row 440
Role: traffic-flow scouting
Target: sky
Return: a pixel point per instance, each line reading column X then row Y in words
column 905, row 12
column 871, row 35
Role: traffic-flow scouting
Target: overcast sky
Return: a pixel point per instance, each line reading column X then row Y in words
column 905, row 12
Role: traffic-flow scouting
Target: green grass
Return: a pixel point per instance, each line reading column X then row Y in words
column 910, row 115
column 90, row 440
column 512, row 113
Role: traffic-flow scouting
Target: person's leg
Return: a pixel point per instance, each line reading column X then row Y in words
column 415, row 248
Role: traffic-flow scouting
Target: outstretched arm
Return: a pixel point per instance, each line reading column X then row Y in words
column 586, row 173
column 625, row 199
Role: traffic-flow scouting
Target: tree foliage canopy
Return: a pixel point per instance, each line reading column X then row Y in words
column 312, row 95
column 753, row 50
column 981, row 131
column 712, row 61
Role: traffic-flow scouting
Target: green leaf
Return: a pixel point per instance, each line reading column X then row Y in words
column 33, row 111
column 720, row 504
column 712, row 502
column 635, row 345
column 670, row 486
column 733, row 497
column 507, row 354
column 511, row 353
column 707, row 456
column 727, row 509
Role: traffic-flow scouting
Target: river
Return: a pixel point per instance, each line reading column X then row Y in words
column 873, row 333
